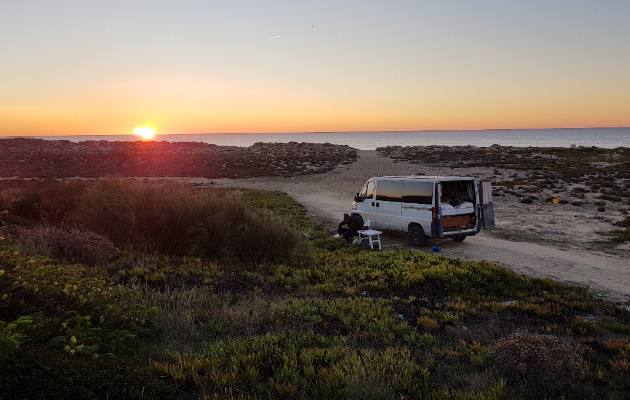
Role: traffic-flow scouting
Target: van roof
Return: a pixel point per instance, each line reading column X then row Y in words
column 427, row 178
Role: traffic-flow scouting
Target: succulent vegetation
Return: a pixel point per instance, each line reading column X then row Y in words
column 171, row 314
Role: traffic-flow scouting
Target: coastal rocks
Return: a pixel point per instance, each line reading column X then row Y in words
column 37, row 158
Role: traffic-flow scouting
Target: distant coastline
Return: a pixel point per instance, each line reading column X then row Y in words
column 557, row 137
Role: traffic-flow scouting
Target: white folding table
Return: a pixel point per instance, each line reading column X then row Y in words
column 370, row 234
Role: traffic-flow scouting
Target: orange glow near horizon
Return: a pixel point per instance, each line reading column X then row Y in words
column 456, row 117
column 197, row 105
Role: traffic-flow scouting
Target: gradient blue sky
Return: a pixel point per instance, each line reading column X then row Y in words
column 104, row 67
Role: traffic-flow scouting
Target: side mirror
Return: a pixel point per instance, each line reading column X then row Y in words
column 356, row 198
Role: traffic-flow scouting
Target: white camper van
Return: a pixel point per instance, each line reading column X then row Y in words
column 427, row 206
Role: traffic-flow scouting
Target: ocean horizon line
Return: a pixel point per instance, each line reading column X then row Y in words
column 608, row 137
column 325, row 132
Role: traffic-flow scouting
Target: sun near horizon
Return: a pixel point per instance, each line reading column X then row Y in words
column 145, row 132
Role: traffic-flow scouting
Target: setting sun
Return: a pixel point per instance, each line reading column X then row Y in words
column 145, row 131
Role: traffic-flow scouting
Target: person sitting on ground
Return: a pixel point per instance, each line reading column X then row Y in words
column 353, row 222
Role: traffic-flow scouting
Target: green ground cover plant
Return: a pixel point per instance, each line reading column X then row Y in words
column 620, row 235
column 321, row 319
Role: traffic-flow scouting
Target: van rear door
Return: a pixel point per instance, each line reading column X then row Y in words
column 487, row 208
column 437, row 226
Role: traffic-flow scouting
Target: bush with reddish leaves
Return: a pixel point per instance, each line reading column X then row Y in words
column 83, row 247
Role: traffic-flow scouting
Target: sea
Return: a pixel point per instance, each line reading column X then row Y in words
column 598, row 137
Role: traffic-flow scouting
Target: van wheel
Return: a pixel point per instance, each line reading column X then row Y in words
column 417, row 236
column 459, row 238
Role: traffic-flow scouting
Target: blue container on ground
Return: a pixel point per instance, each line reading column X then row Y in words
column 436, row 249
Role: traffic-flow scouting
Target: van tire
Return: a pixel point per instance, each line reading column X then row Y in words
column 418, row 237
column 459, row 238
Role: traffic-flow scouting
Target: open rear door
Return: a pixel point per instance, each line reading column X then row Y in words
column 437, row 227
column 487, row 208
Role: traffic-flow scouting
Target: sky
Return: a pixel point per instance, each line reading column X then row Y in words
column 192, row 66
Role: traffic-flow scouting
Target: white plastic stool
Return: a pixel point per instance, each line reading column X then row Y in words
column 370, row 233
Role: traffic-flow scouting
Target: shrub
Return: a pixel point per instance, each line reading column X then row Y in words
column 48, row 201
column 173, row 218
column 609, row 197
column 178, row 219
column 541, row 361
column 624, row 223
column 427, row 323
column 43, row 373
column 11, row 336
column 83, row 247
column 620, row 235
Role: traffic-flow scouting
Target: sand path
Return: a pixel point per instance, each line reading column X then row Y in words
column 545, row 240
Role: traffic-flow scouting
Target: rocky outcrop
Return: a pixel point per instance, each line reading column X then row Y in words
column 38, row 158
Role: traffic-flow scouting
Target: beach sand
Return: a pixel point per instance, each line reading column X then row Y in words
column 543, row 240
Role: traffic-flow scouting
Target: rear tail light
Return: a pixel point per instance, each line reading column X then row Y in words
column 434, row 214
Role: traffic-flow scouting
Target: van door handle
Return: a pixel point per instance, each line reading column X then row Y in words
column 376, row 204
column 372, row 204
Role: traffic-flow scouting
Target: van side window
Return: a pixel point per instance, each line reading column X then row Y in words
column 417, row 192
column 389, row 191
column 370, row 190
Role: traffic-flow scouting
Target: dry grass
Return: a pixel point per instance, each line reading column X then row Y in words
column 72, row 245
column 541, row 361
column 167, row 217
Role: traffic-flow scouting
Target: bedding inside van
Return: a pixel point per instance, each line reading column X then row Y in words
column 460, row 190
column 464, row 208
column 458, row 199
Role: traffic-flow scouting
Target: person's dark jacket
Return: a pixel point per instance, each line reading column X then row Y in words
column 354, row 225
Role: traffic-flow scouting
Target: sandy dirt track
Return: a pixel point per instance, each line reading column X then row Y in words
column 543, row 240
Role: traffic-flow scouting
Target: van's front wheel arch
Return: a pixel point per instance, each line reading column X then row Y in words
column 417, row 235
